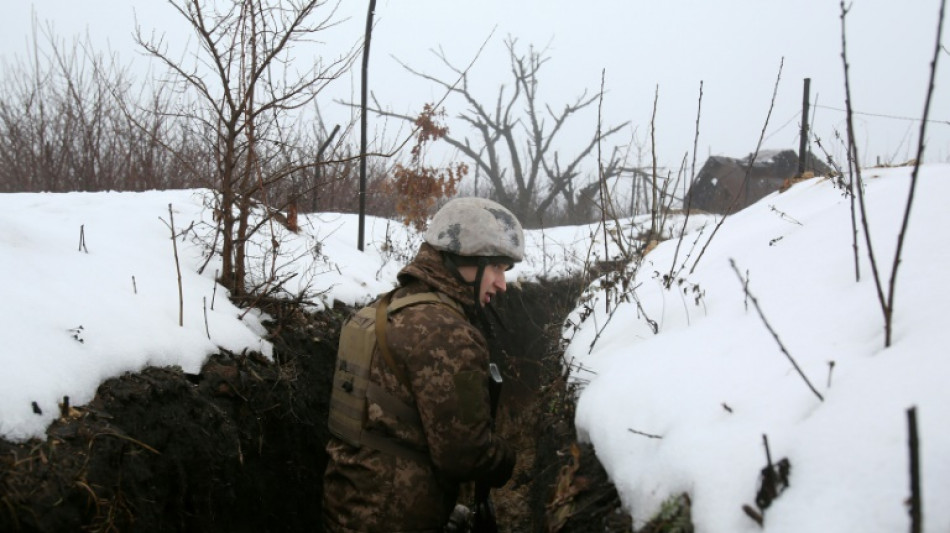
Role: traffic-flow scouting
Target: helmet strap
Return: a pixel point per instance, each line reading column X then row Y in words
column 452, row 263
column 477, row 284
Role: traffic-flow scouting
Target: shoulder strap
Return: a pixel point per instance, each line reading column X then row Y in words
column 381, row 313
column 387, row 305
column 422, row 297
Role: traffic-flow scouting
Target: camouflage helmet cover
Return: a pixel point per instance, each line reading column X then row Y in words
column 476, row 227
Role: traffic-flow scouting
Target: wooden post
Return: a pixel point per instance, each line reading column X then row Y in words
column 803, row 140
column 369, row 32
column 916, row 514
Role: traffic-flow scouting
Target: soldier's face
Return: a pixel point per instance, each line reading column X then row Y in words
column 493, row 280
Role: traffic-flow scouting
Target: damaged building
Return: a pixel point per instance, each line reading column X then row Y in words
column 721, row 185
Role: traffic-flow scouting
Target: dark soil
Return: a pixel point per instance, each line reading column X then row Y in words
column 240, row 446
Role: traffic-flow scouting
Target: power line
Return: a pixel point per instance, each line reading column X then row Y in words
column 783, row 126
column 879, row 115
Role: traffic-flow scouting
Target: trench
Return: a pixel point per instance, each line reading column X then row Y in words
column 239, row 446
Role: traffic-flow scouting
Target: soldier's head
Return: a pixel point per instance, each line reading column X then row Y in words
column 480, row 239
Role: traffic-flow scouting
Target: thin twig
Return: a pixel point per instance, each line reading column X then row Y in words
column 181, row 298
column 688, row 197
column 653, row 208
column 82, row 238
column 854, row 229
column 784, row 215
column 781, row 346
column 913, row 180
column 748, row 172
column 214, row 288
column 204, row 306
column 649, row 435
column 632, row 293
column 745, row 290
column 851, row 198
column 125, row 437
column 602, row 180
column 854, row 163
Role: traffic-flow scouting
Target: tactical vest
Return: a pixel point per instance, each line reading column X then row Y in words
column 352, row 389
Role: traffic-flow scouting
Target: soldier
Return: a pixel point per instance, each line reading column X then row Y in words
column 412, row 421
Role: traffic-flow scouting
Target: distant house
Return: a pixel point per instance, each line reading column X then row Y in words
column 721, row 185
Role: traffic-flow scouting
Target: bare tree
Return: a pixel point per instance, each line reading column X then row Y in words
column 246, row 91
column 514, row 142
column 67, row 123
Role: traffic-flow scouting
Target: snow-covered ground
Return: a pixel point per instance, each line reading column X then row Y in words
column 91, row 291
column 714, row 380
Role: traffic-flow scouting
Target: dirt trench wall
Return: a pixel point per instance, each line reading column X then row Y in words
column 239, row 447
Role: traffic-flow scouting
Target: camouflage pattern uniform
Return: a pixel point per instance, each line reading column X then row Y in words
column 446, row 358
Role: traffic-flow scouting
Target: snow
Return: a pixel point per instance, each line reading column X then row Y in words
column 654, row 405
column 849, row 454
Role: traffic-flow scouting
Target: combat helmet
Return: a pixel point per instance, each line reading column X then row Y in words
column 476, row 231
column 474, row 227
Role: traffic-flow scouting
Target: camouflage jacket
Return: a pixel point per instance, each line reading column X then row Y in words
column 446, row 359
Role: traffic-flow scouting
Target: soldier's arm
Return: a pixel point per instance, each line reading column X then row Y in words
column 450, row 381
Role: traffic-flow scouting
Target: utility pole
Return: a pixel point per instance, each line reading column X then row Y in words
column 363, row 91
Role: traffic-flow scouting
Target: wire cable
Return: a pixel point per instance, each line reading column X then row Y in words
column 881, row 115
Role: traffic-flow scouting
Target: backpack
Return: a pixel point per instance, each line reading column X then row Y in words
column 352, row 389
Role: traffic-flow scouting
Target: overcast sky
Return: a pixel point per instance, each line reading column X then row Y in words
column 734, row 47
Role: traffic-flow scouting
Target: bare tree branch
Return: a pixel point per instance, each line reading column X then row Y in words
column 516, row 150
column 748, row 172
column 913, row 178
